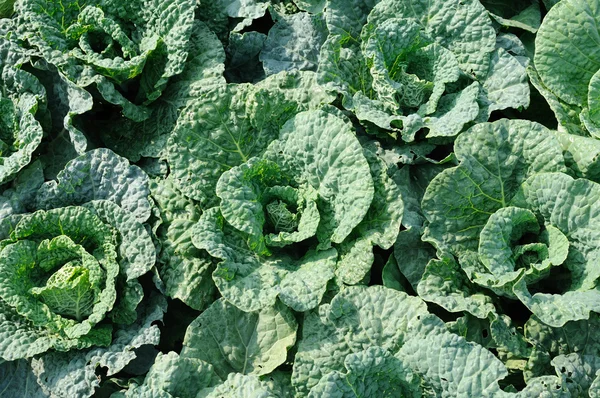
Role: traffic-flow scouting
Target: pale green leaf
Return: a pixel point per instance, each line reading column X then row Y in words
column 293, row 43
column 233, row 341
column 99, row 175
column 495, row 158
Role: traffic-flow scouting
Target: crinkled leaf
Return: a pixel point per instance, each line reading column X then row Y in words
column 293, row 43
column 99, row 175
column 252, row 282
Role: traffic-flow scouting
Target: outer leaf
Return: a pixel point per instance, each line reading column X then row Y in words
column 357, row 318
column 293, row 43
column 506, row 84
column 233, row 341
column 382, row 222
column 243, row 52
column 567, row 53
column 525, row 15
column 185, row 270
column 300, row 87
column 579, row 369
column 238, row 386
column 452, row 366
column 174, row 376
column 444, row 283
column 373, row 372
column 454, row 112
column 74, row 373
column 582, row 155
column 347, row 18
column 495, row 159
column 22, row 339
column 412, row 182
column 136, row 248
column 99, row 175
column 568, row 115
column 18, row 380
column 252, row 282
column 574, row 337
column 412, row 254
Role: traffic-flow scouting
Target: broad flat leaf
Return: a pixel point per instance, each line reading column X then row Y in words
column 343, row 68
column 391, row 275
column 449, row 364
column 300, row 87
column 20, row 197
column 18, row 380
column 346, row 18
column 566, row 53
column 171, row 203
column 216, row 13
column 233, row 341
column 22, row 339
column 506, row 84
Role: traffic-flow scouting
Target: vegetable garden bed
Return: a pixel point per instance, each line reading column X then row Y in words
column 299, row 198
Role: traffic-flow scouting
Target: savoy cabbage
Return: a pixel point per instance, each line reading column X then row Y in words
column 299, row 198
